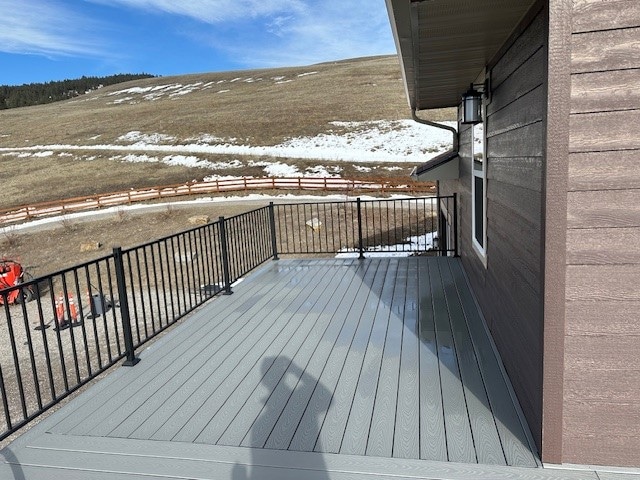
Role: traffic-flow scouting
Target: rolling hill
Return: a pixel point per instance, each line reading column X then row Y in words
column 344, row 118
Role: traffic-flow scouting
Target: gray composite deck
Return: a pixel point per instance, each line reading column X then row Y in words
column 314, row 369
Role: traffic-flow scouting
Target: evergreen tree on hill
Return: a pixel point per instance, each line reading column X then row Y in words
column 39, row 93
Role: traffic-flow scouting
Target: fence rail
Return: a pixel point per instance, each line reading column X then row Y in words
column 84, row 319
column 127, row 197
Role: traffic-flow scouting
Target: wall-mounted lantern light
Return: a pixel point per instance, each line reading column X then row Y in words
column 472, row 106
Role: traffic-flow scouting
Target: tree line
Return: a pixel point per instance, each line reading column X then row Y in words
column 39, row 93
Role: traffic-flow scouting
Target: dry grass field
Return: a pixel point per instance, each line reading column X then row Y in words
column 258, row 107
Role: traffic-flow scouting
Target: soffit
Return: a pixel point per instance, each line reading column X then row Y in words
column 445, row 44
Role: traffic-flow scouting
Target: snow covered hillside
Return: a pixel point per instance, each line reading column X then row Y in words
column 403, row 141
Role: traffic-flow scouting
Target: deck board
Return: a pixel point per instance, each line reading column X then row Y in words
column 406, row 442
column 187, row 409
column 276, row 327
column 460, row 447
column 380, row 443
column 308, row 382
column 516, row 446
column 483, row 428
column 383, row 363
column 307, row 433
column 433, row 443
column 333, row 428
column 357, row 425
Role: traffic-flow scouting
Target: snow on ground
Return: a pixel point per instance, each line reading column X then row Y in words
column 419, row 242
column 402, row 141
column 280, row 169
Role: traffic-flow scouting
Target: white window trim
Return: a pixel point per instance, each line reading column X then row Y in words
column 481, row 250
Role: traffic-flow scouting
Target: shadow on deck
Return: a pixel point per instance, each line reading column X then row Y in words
column 340, row 369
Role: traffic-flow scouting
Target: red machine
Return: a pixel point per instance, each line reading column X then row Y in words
column 11, row 275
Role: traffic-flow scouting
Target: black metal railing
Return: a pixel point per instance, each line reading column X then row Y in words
column 84, row 319
column 383, row 226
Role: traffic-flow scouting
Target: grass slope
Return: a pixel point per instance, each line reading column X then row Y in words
column 258, row 107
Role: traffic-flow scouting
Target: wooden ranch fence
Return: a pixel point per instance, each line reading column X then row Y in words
column 240, row 184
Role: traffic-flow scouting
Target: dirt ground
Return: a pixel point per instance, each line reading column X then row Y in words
column 58, row 245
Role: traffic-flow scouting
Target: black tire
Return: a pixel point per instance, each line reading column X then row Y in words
column 27, row 292
column 27, row 295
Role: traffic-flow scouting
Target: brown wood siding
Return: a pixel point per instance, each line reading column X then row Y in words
column 508, row 289
column 602, row 369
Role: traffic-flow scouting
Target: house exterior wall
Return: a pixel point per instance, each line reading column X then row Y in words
column 508, row 283
column 601, row 413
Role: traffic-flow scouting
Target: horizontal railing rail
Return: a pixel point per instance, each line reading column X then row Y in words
column 227, row 185
column 72, row 325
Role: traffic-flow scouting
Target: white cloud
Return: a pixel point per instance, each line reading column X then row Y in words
column 45, row 27
column 267, row 33
column 213, row 11
column 322, row 31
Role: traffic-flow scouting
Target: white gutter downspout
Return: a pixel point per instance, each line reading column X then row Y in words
column 437, row 125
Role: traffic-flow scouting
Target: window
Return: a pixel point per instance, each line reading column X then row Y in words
column 479, row 189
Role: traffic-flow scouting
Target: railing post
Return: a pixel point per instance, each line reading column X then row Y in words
column 443, row 251
column 360, row 242
column 225, row 257
column 131, row 359
column 455, row 224
column 272, row 225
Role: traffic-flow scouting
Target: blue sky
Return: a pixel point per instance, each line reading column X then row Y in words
column 43, row 40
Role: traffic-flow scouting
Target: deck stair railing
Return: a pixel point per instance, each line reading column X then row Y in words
column 82, row 320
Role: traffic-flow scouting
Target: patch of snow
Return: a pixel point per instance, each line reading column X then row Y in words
column 185, row 161
column 223, row 91
column 132, row 90
column 375, row 141
column 143, row 139
column 122, row 100
column 406, row 249
column 48, row 153
column 186, row 89
column 307, row 73
column 235, row 80
column 283, row 81
column 362, row 168
column 207, row 139
column 278, row 78
column 95, row 137
column 322, row 171
column 280, row 169
column 135, row 158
